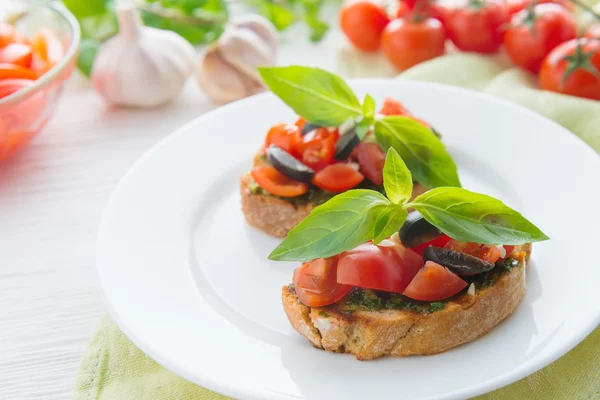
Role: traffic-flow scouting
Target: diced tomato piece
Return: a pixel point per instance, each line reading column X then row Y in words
column 316, row 285
column 316, row 137
column 48, row 50
column 16, row 71
column 371, row 160
column 509, row 250
column 482, row 251
column 17, row 53
column 300, row 122
column 439, row 241
column 7, row 34
column 283, row 135
column 337, row 178
column 271, row 180
column 433, row 283
column 320, row 153
column 394, row 107
column 370, row 266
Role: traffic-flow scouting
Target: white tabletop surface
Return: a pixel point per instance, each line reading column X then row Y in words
column 51, row 200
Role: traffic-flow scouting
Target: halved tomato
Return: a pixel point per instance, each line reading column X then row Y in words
column 482, row 251
column 17, row 53
column 338, row 178
column 16, row 71
column 439, row 241
column 283, row 135
column 316, row 284
column 319, row 155
column 320, row 136
column 271, row 180
column 370, row 266
column 371, row 160
column 393, row 107
column 433, row 283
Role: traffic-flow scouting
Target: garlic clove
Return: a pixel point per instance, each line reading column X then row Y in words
column 261, row 26
column 222, row 81
column 246, row 51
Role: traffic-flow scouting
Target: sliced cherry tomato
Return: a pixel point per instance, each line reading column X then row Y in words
column 271, row 180
column 319, row 155
column 321, row 137
column 593, row 31
column 534, row 32
column 573, row 68
column 376, row 267
column 482, row 251
column 316, row 285
column 406, row 43
column 17, row 53
column 283, row 135
column 478, row 26
column 433, row 283
column 439, row 241
column 371, row 160
column 48, row 50
column 7, row 34
column 15, row 71
column 338, row 178
column 393, row 107
column 363, row 21
column 509, row 250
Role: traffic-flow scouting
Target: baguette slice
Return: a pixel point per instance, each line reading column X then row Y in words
column 372, row 334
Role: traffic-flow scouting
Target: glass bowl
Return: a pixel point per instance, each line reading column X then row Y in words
column 24, row 113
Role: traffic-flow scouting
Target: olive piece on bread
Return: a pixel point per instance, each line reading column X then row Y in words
column 416, row 230
column 285, row 163
column 457, row 262
column 308, row 128
column 346, row 143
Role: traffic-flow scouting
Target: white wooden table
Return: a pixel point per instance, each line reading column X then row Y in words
column 51, row 200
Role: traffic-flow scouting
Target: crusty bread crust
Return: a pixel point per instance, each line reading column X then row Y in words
column 275, row 216
column 372, row 334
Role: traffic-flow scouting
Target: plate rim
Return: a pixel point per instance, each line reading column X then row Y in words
column 207, row 382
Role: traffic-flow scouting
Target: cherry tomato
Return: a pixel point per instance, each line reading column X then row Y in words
column 15, row 71
column 406, row 43
column 439, row 241
column 593, row 31
column 485, row 252
column 17, row 53
column 320, row 137
column 403, row 9
column 47, row 49
column 433, row 283
column 271, row 180
column 573, row 68
column 478, row 26
column 315, row 283
column 283, row 135
column 371, row 160
column 376, row 267
column 393, row 107
column 363, row 21
column 319, row 155
column 338, row 178
column 527, row 44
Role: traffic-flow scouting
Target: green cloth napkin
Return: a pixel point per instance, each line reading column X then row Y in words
column 114, row 369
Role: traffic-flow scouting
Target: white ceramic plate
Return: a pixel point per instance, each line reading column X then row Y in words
column 190, row 284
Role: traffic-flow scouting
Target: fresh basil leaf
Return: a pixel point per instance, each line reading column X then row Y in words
column 397, row 179
column 319, row 96
column 318, row 27
column 368, row 107
column 87, row 8
column 389, row 221
column 342, row 223
column 424, row 154
column 281, row 16
column 363, row 126
column 472, row 217
column 87, row 53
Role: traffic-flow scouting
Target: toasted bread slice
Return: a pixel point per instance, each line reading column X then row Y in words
column 276, row 216
column 372, row 334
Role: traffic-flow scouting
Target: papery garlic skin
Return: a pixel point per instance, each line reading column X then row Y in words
column 141, row 66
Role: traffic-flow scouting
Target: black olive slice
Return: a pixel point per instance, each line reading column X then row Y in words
column 346, row 143
column 307, row 128
column 285, row 163
column 416, row 230
column 457, row 262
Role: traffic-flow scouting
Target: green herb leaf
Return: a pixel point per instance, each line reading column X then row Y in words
column 87, row 8
column 423, row 153
column 363, row 126
column 397, row 180
column 281, row 16
column 342, row 223
column 319, row 96
column 474, row 217
column 87, row 53
column 389, row 221
column 318, row 27
column 368, row 107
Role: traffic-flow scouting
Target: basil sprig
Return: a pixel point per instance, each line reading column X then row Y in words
column 325, row 99
column 357, row 216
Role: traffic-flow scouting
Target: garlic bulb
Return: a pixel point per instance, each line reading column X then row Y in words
column 228, row 69
column 141, row 66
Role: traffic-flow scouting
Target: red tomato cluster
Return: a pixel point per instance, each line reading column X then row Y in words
column 22, row 61
column 530, row 32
